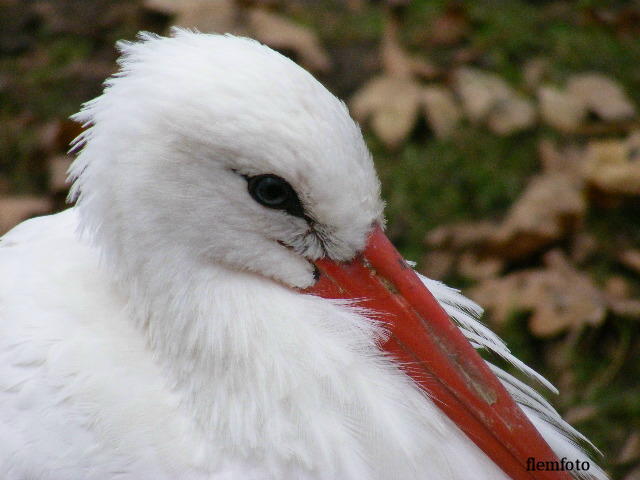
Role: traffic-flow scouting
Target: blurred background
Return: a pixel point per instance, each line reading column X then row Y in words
column 506, row 134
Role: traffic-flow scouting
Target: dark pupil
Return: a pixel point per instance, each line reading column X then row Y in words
column 272, row 191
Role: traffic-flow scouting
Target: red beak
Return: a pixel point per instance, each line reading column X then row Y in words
column 442, row 360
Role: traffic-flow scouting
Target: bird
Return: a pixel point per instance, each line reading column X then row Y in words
column 221, row 301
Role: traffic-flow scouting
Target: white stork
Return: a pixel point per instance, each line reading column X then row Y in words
column 222, row 303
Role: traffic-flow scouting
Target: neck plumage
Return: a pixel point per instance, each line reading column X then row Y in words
column 266, row 372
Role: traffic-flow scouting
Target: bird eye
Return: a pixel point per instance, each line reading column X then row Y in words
column 274, row 192
column 269, row 190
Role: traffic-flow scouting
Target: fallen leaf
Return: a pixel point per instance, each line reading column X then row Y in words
column 511, row 115
column 14, row 210
column 58, row 167
column 450, row 27
column 488, row 98
column 584, row 245
column 630, row 451
column 466, row 55
column 580, row 413
column 65, row 17
column 229, row 16
column 424, row 69
column 474, row 267
column 563, row 298
column 617, row 286
column 441, row 110
column 601, row 95
column 281, row 33
column 480, row 92
column 626, row 308
column 460, row 236
column 396, row 62
column 390, row 101
column 612, row 166
column 218, row 16
column 55, row 136
column 552, row 206
column 559, row 297
column 561, row 110
column 437, row 264
column 534, row 72
column 631, row 259
column 618, row 293
column 392, row 105
column 355, row 5
column 633, row 474
column 499, row 296
column 567, row 160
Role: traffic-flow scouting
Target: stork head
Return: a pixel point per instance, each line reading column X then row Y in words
column 222, row 149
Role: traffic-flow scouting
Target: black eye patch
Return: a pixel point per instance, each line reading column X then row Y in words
column 275, row 192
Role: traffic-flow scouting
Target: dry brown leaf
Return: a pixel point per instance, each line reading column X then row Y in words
column 58, row 167
column 580, row 413
column 437, row 264
column 467, row 55
column 631, row 259
column 630, row 451
column 616, row 286
column 480, row 92
column 552, row 206
column 441, row 110
column 511, row 115
column 391, row 104
column 204, row 15
column 567, row 160
column 476, row 268
column 488, row 98
column 459, row 236
column 424, row 69
column 563, row 298
column 625, row 308
column 633, row 474
column 14, row 210
column 602, row 95
column 391, row 101
column 560, row 109
column 55, row 136
column 355, row 5
column 224, row 16
column 395, row 60
column 558, row 297
column 280, row 33
column 618, row 291
column 611, row 166
column 584, row 245
column 500, row 296
column 534, row 71
column 450, row 27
